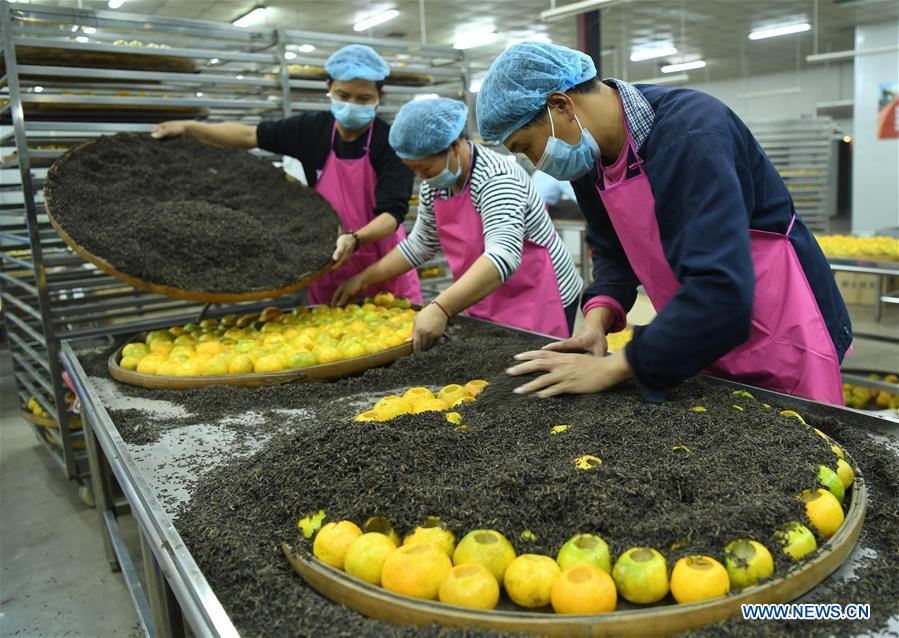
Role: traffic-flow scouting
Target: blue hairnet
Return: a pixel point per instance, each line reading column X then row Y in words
column 520, row 80
column 356, row 61
column 425, row 127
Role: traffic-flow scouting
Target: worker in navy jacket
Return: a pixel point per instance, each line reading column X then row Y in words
column 679, row 197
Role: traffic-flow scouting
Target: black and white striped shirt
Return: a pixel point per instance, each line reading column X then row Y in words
column 511, row 211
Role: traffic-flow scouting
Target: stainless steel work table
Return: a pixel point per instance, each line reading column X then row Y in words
column 150, row 481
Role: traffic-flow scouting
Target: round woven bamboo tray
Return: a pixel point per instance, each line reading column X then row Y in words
column 53, row 440
column 178, row 293
column 660, row 620
column 322, row 372
column 48, row 422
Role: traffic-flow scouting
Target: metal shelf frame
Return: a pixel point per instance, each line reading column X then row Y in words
column 801, row 151
column 219, row 71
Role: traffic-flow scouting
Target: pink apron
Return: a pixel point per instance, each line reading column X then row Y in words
column 789, row 349
column 349, row 186
column 529, row 299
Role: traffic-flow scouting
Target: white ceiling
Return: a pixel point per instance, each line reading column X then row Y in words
column 714, row 30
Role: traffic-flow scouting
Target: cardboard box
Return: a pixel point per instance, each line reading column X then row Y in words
column 860, row 289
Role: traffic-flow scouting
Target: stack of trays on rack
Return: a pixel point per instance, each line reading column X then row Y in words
column 35, row 413
column 401, row 78
column 81, row 103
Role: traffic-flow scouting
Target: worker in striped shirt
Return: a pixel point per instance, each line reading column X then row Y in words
column 509, row 265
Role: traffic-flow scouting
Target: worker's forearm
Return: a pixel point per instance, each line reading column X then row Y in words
column 224, row 134
column 600, row 317
column 377, row 229
column 393, row 264
column 477, row 282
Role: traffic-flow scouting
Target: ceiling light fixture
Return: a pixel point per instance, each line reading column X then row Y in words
column 426, row 96
column 683, row 66
column 375, row 20
column 199, row 93
column 290, row 55
column 668, row 79
column 306, row 48
column 254, row 15
column 82, row 39
column 747, row 95
column 38, row 89
column 650, row 52
column 773, row 32
column 89, row 30
column 849, row 54
column 115, row 4
column 475, row 38
column 214, row 61
column 577, row 8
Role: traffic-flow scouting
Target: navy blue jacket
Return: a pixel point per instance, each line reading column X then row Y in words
column 711, row 182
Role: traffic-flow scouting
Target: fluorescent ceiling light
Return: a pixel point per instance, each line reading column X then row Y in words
column 683, row 66
column 199, row 93
column 375, row 20
column 426, row 96
column 668, row 79
column 252, row 17
column 74, row 28
column 82, row 39
column 773, row 32
column 769, row 92
column 648, row 53
column 89, row 30
column 577, row 8
column 214, row 61
column 38, row 89
column 238, row 77
column 849, row 54
column 115, row 4
column 290, row 55
column 306, row 48
column 472, row 39
column 537, row 37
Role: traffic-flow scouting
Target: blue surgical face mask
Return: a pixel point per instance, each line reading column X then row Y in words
column 352, row 116
column 564, row 161
column 445, row 178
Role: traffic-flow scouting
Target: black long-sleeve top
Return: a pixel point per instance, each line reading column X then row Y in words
column 307, row 137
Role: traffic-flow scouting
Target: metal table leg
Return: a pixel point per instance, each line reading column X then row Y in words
column 101, row 484
column 167, row 618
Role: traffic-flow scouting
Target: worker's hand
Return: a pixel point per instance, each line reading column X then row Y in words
column 172, row 128
column 590, row 338
column 348, row 290
column 570, row 373
column 427, row 328
column 346, row 246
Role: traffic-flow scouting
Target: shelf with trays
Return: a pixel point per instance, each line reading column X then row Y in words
column 133, row 71
column 801, row 151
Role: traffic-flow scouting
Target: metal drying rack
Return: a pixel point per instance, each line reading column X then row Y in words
column 70, row 75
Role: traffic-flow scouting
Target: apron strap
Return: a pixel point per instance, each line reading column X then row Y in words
column 790, row 227
column 634, row 161
column 371, row 130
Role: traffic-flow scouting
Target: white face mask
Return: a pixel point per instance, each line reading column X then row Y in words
column 445, row 178
column 566, row 161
